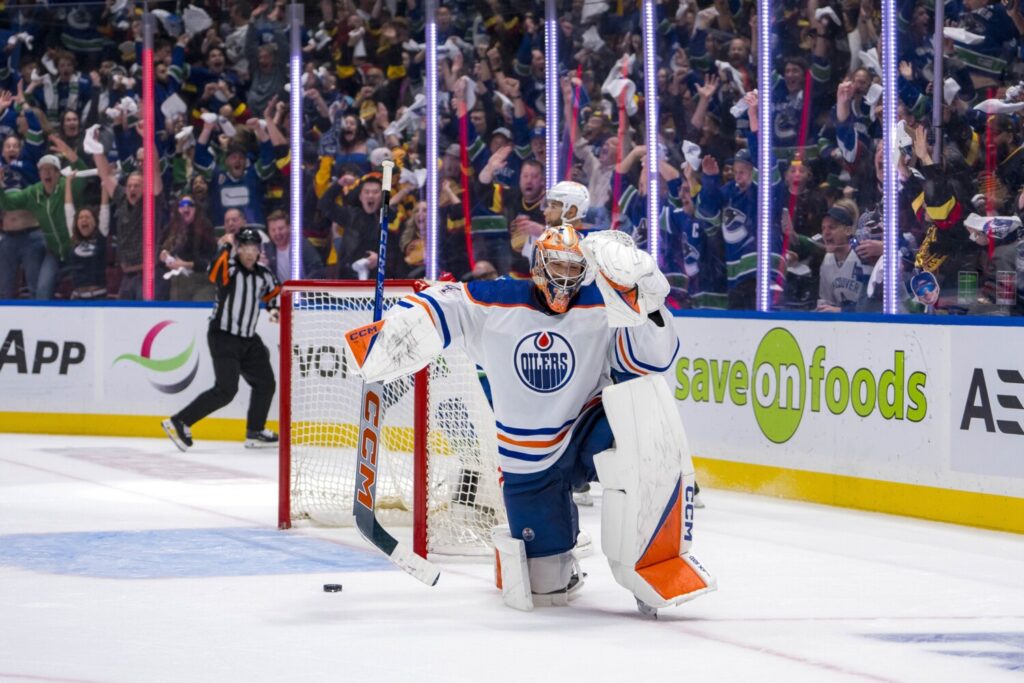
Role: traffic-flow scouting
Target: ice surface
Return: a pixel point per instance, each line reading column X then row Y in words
column 125, row 560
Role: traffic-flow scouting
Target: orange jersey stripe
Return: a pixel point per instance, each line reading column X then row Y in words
column 534, row 444
column 625, row 358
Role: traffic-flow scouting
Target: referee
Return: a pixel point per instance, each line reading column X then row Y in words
column 234, row 345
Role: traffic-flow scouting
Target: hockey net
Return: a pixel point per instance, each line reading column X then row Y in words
column 439, row 417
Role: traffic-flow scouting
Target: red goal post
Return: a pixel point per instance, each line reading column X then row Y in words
column 438, row 462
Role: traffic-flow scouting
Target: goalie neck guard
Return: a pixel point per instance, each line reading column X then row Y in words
column 559, row 266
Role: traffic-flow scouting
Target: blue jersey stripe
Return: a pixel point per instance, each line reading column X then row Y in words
column 404, row 304
column 440, row 316
column 531, row 432
column 618, row 358
column 645, row 366
column 519, row 455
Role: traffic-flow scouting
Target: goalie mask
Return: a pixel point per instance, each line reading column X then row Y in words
column 569, row 195
column 559, row 266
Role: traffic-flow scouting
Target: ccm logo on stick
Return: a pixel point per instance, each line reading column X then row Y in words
column 368, row 450
column 367, row 331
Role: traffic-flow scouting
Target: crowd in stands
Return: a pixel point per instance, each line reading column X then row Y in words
column 70, row 84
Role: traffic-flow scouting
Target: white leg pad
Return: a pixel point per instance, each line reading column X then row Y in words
column 511, row 571
column 647, row 515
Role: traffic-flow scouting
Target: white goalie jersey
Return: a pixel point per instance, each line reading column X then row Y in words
column 545, row 371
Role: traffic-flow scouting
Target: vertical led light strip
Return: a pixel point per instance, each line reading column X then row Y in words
column 551, row 90
column 295, row 132
column 937, row 77
column 765, row 13
column 149, row 166
column 433, row 189
column 650, row 38
column 890, row 184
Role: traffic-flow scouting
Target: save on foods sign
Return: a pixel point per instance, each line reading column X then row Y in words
column 866, row 400
column 782, row 382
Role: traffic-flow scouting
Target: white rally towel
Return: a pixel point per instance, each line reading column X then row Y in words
column 691, row 152
column 995, row 106
column 962, row 35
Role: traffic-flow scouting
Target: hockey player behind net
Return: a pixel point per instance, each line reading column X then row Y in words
column 550, row 348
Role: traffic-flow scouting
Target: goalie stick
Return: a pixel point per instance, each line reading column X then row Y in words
column 367, row 448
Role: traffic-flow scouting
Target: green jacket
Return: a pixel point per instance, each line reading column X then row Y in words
column 48, row 209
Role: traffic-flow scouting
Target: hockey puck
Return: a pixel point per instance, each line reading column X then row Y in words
column 332, row 588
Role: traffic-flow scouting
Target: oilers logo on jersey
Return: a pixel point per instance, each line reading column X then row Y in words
column 544, row 361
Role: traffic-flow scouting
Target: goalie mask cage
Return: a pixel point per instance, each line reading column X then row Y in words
column 438, row 460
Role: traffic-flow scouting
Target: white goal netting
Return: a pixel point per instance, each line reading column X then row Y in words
column 463, row 500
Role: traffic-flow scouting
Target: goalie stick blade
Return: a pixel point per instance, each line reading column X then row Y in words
column 415, row 565
column 364, row 503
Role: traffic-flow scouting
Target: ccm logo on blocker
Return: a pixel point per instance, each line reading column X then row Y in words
column 779, row 385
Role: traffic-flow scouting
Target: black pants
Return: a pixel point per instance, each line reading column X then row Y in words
column 233, row 357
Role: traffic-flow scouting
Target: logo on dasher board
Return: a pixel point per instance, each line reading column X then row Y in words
column 544, row 361
column 781, row 384
column 163, row 365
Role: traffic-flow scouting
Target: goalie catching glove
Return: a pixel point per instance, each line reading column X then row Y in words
column 630, row 282
column 398, row 345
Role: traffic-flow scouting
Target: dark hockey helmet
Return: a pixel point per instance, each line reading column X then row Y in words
column 249, row 235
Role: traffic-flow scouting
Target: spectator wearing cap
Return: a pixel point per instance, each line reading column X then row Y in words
column 843, row 278
column 45, row 201
column 277, row 252
column 235, row 183
column 187, row 252
column 127, row 205
column 22, row 244
column 538, row 145
column 508, row 174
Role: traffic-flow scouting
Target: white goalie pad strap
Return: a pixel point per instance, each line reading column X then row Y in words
column 629, row 280
column 551, row 573
column 394, row 347
column 647, row 515
column 511, row 571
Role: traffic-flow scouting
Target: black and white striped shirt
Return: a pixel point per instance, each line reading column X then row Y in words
column 239, row 292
